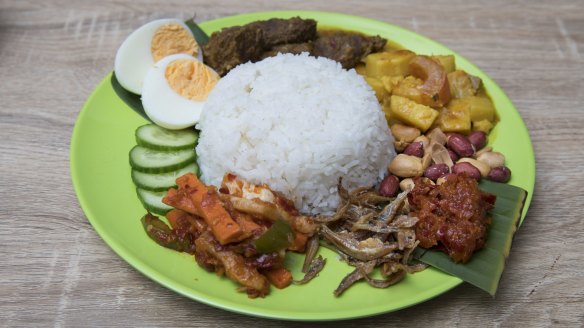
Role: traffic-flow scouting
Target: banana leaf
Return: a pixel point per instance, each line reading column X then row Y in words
column 486, row 266
column 200, row 35
column 133, row 100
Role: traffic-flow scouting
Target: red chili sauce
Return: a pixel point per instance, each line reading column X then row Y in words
column 452, row 216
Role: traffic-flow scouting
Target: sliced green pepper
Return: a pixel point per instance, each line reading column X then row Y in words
column 161, row 233
column 278, row 237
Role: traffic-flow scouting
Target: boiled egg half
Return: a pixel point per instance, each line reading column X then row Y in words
column 175, row 90
column 149, row 44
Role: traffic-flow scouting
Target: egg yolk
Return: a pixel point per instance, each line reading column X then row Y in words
column 172, row 39
column 191, row 78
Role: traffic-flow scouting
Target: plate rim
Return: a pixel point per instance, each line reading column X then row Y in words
column 230, row 305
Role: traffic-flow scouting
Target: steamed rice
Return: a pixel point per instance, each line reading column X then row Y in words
column 296, row 123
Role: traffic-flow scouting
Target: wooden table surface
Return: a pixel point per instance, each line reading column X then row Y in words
column 56, row 271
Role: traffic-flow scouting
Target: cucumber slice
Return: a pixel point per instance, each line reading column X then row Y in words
column 155, row 137
column 152, row 201
column 161, row 181
column 158, row 161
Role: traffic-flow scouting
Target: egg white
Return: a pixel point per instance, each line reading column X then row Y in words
column 162, row 104
column 134, row 57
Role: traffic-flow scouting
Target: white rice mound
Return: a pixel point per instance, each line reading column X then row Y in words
column 298, row 124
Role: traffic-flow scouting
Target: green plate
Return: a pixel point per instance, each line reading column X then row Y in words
column 104, row 134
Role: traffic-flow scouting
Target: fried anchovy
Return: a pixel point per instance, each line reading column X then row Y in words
column 362, row 221
column 311, row 249
column 374, row 228
column 356, row 195
column 389, row 268
column 372, row 198
column 406, row 238
column 354, row 212
column 392, row 208
column 315, row 267
column 405, row 221
column 391, row 257
column 354, row 248
column 416, row 267
column 408, row 252
column 343, row 193
column 354, row 276
column 338, row 215
column 384, row 283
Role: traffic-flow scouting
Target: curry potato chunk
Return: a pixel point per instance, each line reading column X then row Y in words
column 481, row 108
column 390, row 63
column 378, row 87
column 447, row 62
column 409, row 88
column 485, row 125
column 455, row 117
column 412, row 113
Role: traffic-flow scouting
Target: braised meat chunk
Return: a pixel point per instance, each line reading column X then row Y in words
column 452, row 216
column 237, row 45
column 262, row 39
column 292, row 48
column 279, row 31
column 233, row 46
column 346, row 47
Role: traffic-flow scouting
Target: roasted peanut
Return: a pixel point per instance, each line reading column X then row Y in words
column 483, row 168
column 426, row 160
column 484, row 150
column 440, row 154
column 492, row 158
column 435, row 171
column 406, row 184
column 478, row 139
column 468, row 168
column 389, row 186
column 424, row 140
column 453, row 156
column 500, row 174
column 460, row 145
column 406, row 166
column 437, row 136
column 415, row 149
column 400, row 146
column 404, row 133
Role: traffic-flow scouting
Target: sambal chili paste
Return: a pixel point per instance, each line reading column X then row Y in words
column 452, row 216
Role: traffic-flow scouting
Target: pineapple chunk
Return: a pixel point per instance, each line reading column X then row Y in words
column 412, row 113
column 461, row 85
column 484, row 125
column 392, row 63
column 378, row 87
column 455, row 117
column 408, row 88
column 447, row 61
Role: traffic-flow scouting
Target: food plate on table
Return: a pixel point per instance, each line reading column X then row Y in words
column 104, row 134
